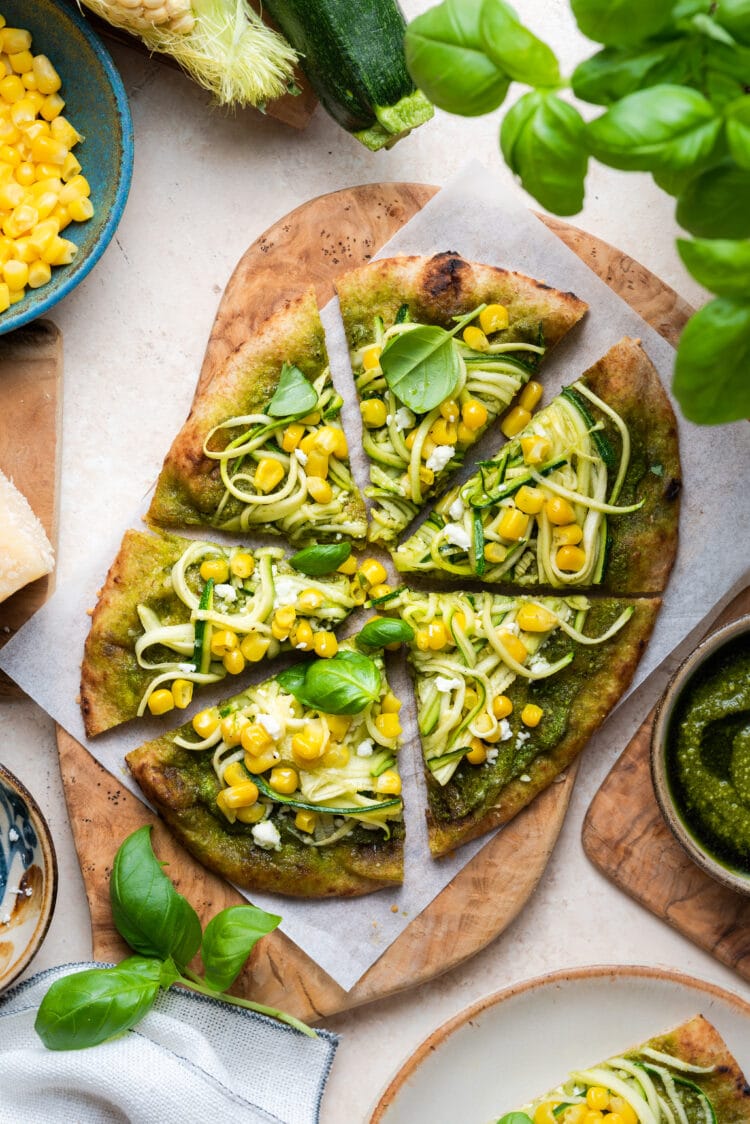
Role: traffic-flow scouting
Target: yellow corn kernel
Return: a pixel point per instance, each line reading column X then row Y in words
column 390, row 704
column 338, row 724
column 215, row 568
column 373, row 572
column 310, row 742
column 536, row 450
column 378, row 591
column 531, row 395
column 45, row 203
column 513, row 524
column 568, row 535
column 9, row 154
column 374, row 412
column 15, row 39
column 160, row 702
column 410, row 438
column 241, row 795
column 255, row 739
column 29, row 80
column 428, row 448
column 4, row 296
column 494, row 318
column 477, row 754
column 466, row 436
column 535, row 618
column 513, row 645
column 474, row 414
column 48, row 150
column 25, row 174
column 570, row 559
column 20, row 220
column 471, row 698
column 475, row 339
column 11, row 195
column 357, row 592
column 495, row 552
column 242, row 565
column 576, row 1114
column 450, row 410
column 223, row 640
column 302, row 636
column 284, row 779
column 16, row 274
column 283, row 620
column 52, row 107
column 12, row 88
column 320, row 490
column 444, row 432
column 17, row 295
column 422, row 639
column 43, row 234
column 254, row 647
column 426, row 475
column 544, row 1114
column 48, row 81
column 39, row 274
column 388, row 783
column 234, row 662
column 311, row 419
column 61, row 216
column 531, row 715
column 619, row 1107
column 232, row 726
column 597, row 1097
column 529, row 500
column 326, row 440
column 325, row 644
column 40, row 126
column 80, row 209
column 501, row 706
column 21, row 62
column 317, row 464
column 388, row 725
column 254, row 814
column 437, row 635
column 309, row 600
column 61, row 129
column 593, row 1116
column 371, row 358
column 70, row 169
column 559, row 511
column 336, row 756
column 349, row 566
column 305, row 821
column 262, row 762
column 292, row 436
column 234, row 774
column 182, row 693
column 514, row 421
column 268, row 474
column 60, row 252
column 206, row 722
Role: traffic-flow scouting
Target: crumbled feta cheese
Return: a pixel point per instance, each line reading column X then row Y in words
column 271, row 725
column 301, row 457
column 444, row 684
column 505, row 730
column 186, row 667
column 5, row 917
column 365, row 748
column 492, row 755
column 226, row 591
column 266, row 835
column 285, row 591
column 538, row 663
column 388, row 419
column 456, row 509
column 511, row 627
column 404, row 418
column 439, row 457
column 457, row 535
column 13, row 835
column 521, row 738
column 525, row 778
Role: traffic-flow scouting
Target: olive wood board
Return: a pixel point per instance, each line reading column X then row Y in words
column 627, row 838
column 31, row 364
column 314, row 244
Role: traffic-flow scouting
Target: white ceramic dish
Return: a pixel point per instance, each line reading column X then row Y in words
column 515, row 1044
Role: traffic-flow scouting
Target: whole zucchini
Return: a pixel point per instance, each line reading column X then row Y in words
column 353, row 55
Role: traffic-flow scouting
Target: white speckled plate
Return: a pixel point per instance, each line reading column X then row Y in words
column 512, row 1046
column 28, row 877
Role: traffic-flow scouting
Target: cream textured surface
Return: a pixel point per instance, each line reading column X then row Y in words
column 205, row 185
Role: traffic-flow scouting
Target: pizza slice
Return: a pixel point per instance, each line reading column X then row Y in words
column 586, row 494
column 263, row 447
column 439, row 348
column 176, row 614
column 686, row 1075
column 292, row 786
column 509, row 690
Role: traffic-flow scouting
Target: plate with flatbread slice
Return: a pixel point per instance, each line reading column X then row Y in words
column 509, row 690
column 587, row 494
column 292, row 786
column 175, row 615
column 439, row 349
column 263, row 448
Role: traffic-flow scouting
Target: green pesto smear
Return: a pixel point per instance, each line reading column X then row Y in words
column 708, row 755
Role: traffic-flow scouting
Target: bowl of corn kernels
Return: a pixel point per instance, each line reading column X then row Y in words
column 66, row 154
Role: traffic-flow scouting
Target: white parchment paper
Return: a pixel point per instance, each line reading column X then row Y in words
column 473, row 216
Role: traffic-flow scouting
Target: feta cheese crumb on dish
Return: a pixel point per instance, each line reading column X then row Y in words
column 227, row 592
column 440, row 457
column 365, row 748
column 266, row 836
column 457, row 535
column 404, row 418
column 285, row 591
column 456, row 509
column 271, row 725
column 25, row 551
column 444, row 684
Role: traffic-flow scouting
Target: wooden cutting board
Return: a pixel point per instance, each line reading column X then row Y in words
column 30, row 413
column 314, row 244
column 626, row 837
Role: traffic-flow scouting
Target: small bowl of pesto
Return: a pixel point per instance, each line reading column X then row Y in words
column 700, row 755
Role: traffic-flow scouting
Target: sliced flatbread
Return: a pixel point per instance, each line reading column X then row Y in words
column 224, row 467
column 686, row 1074
column 509, row 690
column 412, row 451
column 586, row 495
column 334, row 825
column 149, row 632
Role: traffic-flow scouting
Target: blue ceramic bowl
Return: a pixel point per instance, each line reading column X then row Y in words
column 97, row 105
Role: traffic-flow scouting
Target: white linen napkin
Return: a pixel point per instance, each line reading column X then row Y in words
column 191, row 1059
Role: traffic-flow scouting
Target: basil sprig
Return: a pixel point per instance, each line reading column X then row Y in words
column 382, row 632
column 344, row 684
column 294, row 394
column 422, row 366
column 97, row 1004
column 673, row 78
column 323, row 559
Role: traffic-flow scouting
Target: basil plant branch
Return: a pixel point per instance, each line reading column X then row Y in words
column 674, row 78
column 164, row 931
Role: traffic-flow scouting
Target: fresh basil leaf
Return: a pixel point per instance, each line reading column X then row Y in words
column 615, row 72
column 323, row 559
column 229, row 939
column 514, row 49
column 421, row 367
column 381, row 633
column 665, row 126
column 734, row 15
column 707, row 26
column 344, row 684
column 292, row 680
column 721, row 265
column 620, row 21
column 294, row 394
column 445, row 55
column 89, row 1007
column 737, row 115
column 714, row 203
column 149, row 913
column 713, row 359
column 543, row 141
column 515, row 1118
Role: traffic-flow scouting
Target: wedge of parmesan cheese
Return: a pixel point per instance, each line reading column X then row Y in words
column 25, row 550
